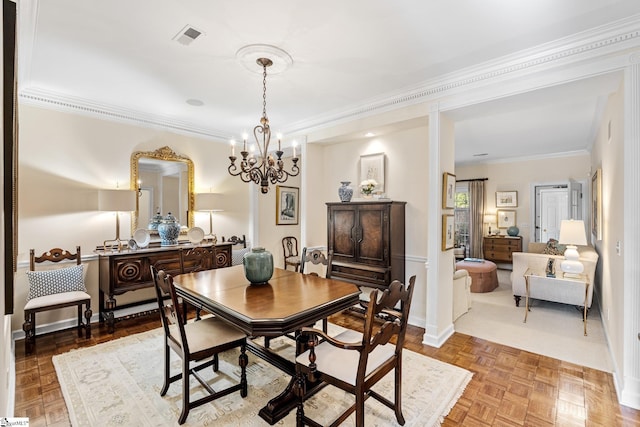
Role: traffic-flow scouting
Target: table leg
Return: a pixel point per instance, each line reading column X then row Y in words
column 526, row 299
column 584, row 319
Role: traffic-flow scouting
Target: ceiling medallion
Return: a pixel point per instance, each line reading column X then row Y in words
column 262, row 168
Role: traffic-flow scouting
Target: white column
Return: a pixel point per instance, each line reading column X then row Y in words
column 630, row 395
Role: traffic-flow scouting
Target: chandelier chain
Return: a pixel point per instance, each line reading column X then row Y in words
column 264, row 91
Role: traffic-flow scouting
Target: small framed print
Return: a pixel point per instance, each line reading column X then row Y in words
column 506, row 199
column 448, row 191
column 506, row 218
column 287, row 205
column 448, row 231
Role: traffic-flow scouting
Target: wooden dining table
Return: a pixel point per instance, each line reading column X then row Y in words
column 285, row 304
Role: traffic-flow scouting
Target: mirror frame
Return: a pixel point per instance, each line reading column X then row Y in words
column 163, row 153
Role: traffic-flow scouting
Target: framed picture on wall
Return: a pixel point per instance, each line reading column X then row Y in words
column 287, row 202
column 506, row 199
column 448, row 190
column 448, row 232
column 506, row 218
column 596, row 204
column 372, row 167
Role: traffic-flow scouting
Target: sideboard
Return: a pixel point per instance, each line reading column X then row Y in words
column 129, row 270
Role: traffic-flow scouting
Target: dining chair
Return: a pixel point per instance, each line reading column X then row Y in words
column 194, row 342
column 290, row 252
column 365, row 358
column 55, row 289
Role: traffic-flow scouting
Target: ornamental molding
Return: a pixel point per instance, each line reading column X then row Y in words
column 589, row 46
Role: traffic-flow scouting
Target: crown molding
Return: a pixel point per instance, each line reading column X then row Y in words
column 587, row 46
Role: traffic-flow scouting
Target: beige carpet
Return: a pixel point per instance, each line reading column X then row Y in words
column 118, row 383
column 552, row 329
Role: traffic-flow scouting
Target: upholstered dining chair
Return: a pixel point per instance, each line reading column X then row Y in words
column 290, row 252
column 54, row 289
column 365, row 358
column 195, row 342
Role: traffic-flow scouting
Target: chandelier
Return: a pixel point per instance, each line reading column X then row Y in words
column 264, row 168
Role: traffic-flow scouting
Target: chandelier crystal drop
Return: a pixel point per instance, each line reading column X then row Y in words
column 262, row 168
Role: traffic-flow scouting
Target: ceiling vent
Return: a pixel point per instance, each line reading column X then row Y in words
column 187, row 35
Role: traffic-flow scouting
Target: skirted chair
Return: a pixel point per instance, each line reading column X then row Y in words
column 461, row 293
column 54, row 289
column 194, row 342
column 364, row 358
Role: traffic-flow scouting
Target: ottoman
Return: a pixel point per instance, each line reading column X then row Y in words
column 484, row 274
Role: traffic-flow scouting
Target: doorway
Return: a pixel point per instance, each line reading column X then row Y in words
column 553, row 203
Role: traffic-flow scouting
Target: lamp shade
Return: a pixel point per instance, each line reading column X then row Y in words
column 489, row 219
column 210, row 202
column 117, row 200
column 572, row 232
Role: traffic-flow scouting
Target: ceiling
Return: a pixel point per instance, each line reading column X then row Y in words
column 120, row 57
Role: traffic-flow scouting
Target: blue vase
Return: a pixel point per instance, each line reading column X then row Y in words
column 345, row 192
column 513, row 231
column 258, row 266
column 169, row 230
column 155, row 222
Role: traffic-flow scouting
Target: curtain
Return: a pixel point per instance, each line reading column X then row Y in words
column 476, row 214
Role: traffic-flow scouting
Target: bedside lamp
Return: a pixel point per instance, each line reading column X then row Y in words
column 209, row 202
column 571, row 234
column 489, row 219
column 116, row 201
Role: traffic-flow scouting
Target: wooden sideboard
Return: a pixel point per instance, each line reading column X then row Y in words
column 500, row 248
column 368, row 242
column 129, row 270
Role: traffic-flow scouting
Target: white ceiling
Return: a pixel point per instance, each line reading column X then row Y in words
column 118, row 56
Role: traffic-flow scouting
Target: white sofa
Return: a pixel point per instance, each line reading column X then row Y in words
column 537, row 260
column 461, row 293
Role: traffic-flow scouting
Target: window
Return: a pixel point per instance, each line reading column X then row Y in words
column 462, row 216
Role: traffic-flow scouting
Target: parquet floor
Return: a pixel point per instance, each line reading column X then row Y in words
column 510, row 387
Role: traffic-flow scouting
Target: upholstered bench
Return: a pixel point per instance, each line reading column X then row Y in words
column 484, row 274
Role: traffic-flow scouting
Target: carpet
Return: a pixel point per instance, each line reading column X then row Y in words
column 552, row 329
column 118, row 383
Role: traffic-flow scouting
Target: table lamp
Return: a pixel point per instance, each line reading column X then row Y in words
column 116, row 201
column 571, row 234
column 489, row 219
column 209, row 202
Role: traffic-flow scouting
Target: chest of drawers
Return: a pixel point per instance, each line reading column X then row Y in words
column 500, row 248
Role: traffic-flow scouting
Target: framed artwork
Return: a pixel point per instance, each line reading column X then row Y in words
column 372, row 167
column 596, row 204
column 287, row 202
column 506, row 218
column 506, row 199
column 448, row 191
column 448, row 232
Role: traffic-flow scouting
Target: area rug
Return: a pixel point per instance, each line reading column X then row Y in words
column 552, row 329
column 118, row 383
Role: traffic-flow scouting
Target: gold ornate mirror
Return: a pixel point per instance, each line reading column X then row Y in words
column 164, row 181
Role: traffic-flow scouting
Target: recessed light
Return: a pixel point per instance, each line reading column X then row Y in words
column 195, row 102
column 480, row 154
column 369, row 134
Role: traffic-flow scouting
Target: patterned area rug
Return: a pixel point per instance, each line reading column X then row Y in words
column 118, row 383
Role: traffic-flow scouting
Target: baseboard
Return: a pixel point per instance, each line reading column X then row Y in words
column 73, row 322
column 630, row 395
column 438, row 340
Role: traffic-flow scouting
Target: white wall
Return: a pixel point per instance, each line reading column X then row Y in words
column 405, row 180
column 65, row 158
column 522, row 176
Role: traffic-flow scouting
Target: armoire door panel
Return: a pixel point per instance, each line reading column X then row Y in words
column 344, row 234
column 372, row 238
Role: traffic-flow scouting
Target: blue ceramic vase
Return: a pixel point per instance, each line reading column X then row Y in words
column 345, row 192
column 258, row 266
column 169, row 230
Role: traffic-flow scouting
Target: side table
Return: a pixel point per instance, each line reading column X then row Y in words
column 569, row 284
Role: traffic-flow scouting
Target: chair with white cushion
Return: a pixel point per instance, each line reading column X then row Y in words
column 54, row 289
column 355, row 362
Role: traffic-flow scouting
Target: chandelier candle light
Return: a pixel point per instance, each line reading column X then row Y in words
column 266, row 169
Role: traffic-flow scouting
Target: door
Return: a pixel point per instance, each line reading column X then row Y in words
column 373, row 234
column 575, row 200
column 554, row 207
column 342, row 232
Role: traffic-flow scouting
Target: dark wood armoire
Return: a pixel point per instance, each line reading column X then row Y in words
column 368, row 242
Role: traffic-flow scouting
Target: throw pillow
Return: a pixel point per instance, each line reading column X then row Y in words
column 47, row 282
column 553, row 248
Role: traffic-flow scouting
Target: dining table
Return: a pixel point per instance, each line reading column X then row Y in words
column 286, row 303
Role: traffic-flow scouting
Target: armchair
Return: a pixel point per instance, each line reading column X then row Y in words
column 461, row 293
